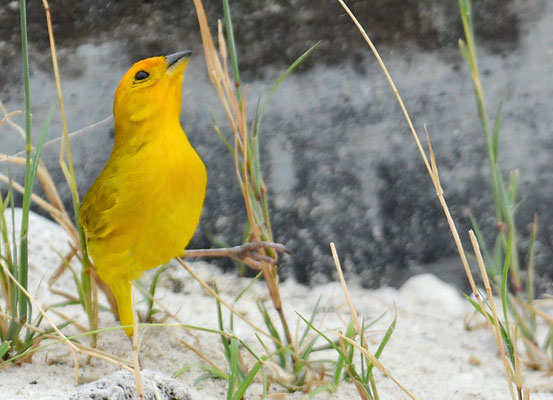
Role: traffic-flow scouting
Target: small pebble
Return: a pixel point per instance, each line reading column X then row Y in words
column 13, row 6
column 473, row 360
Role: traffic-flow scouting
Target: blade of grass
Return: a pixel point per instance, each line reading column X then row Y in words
column 25, row 310
column 494, row 325
column 281, row 78
column 152, row 291
column 311, row 319
column 480, row 236
column 224, row 339
column 432, row 170
column 247, row 381
column 530, row 271
column 332, row 344
column 91, row 298
column 23, row 267
column 231, row 46
column 213, row 371
column 496, row 126
column 272, row 329
column 383, row 343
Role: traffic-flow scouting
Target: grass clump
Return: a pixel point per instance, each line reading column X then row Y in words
column 518, row 314
column 14, row 250
column 17, row 313
column 503, row 263
column 293, row 367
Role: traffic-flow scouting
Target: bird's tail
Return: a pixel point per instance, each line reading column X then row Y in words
column 122, row 292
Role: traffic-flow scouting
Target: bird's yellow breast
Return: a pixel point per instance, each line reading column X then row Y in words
column 160, row 187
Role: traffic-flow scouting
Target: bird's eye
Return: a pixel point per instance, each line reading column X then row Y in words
column 141, row 75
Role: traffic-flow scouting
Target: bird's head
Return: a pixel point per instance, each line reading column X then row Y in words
column 151, row 88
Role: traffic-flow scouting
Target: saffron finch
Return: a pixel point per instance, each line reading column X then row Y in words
column 144, row 207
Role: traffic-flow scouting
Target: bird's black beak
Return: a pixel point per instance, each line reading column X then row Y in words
column 174, row 58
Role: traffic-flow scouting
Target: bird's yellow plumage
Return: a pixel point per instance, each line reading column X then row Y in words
column 144, row 207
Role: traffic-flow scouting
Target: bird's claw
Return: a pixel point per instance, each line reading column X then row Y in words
column 248, row 253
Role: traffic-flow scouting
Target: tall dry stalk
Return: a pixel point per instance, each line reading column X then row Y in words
column 512, row 371
column 251, row 184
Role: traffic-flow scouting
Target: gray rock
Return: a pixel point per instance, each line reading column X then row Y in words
column 337, row 156
column 121, row 386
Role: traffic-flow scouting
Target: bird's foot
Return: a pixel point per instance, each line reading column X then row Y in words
column 248, row 253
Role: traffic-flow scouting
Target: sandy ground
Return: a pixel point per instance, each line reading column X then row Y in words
column 430, row 352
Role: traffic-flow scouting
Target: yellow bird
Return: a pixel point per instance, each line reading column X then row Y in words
column 144, row 207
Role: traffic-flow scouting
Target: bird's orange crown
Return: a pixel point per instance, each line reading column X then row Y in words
column 151, row 87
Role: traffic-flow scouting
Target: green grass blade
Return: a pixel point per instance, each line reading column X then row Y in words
column 382, row 344
column 496, row 126
column 75, row 276
column 324, row 388
column 205, row 377
column 231, row 46
column 4, row 347
column 281, row 78
column 22, row 268
column 313, row 314
column 239, row 394
column 530, row 289
column 224, row 339
column 234, row 376
column 271, row 327
column 215, row 372
column 342, row 359
column 248, row 286
column 476, row 305
column 149, row 299
column 25, row 309
column 334, row 346
column 387, row 336
column 223, row 138
column 512, row 189
column 504, row 334
column 14, row 325
column 504, row 278
column 483, row 247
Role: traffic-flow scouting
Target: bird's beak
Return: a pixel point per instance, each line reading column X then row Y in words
column 177, row 61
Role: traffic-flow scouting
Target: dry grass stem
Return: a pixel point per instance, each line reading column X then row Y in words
column 7, row 118
column 198, row 353
column 83, row 349
column 73, row 347
column 358, row 386
column 36, row 199
column 227, row 305
column 58, row 139
column 377, row 364
column 65, row 141
column 66, row 318
column 235, row 107
column 345, row 289
column 390, row 81
column 370, row 358
column 431, row 168
column 434, row 175
column 41, row 310
column 533, row 362
column 493, row 325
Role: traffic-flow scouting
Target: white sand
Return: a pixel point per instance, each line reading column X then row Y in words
column 430, row 352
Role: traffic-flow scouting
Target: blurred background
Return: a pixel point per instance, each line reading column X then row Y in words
column 338, row 158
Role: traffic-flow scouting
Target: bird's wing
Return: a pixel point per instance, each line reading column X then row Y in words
column 101, row 197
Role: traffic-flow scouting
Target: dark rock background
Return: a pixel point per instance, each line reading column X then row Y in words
column 337, row 155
